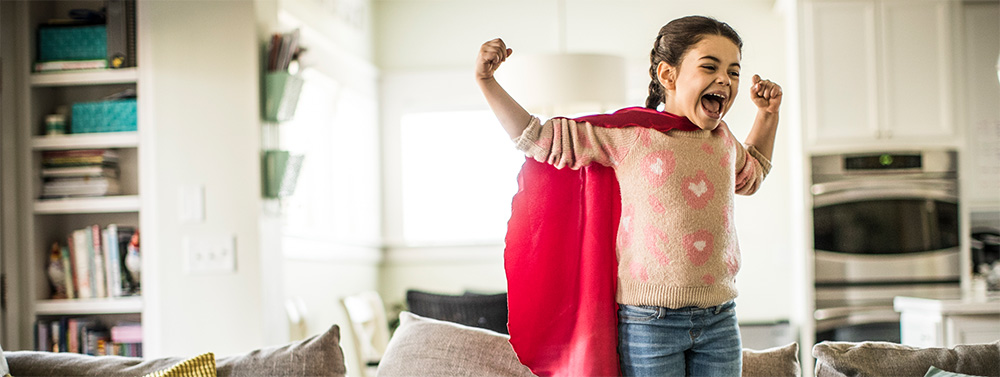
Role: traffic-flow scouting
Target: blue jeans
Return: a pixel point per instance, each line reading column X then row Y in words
column 690, row 341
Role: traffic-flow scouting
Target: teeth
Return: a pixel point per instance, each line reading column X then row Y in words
column 717, row 95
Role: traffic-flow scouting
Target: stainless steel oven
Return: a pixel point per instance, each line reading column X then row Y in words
column 885, row 224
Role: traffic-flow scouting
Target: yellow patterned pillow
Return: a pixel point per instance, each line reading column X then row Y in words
column 198, row 366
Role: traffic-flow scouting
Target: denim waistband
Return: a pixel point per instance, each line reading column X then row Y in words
column 663, row 311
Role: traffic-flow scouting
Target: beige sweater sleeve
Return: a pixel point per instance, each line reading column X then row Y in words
column 751, row 166
column 563, row 142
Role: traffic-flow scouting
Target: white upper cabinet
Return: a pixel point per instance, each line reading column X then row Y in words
column 878, row 72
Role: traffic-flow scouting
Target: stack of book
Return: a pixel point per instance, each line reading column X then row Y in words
column 94, row 263
column 81, row 172
column 88, row 335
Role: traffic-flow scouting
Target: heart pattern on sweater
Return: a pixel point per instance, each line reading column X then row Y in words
column 656, row 205
column 708, row 279
column 699, row 246
column 625, row 227
column 657, row 167
column 653, row 236
column 638, row 272
column 697, row 190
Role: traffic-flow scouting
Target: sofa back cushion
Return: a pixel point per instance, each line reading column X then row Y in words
column 4, row 370
column 772, row 362
column 319, row 355
column 841, row 359
column 429, row 347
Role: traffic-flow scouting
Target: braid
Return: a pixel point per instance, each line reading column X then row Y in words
column 655, row 96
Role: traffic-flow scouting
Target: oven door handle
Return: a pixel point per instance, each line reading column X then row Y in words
column 824, row 195
column 831, row 318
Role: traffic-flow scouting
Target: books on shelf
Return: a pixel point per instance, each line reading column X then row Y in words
column 94, row 263
column 88, row 335
column 79, row 172
column 69, row 65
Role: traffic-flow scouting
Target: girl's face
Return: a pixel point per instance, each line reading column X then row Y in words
column 704, row 86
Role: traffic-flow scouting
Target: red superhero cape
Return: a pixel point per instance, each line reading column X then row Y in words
column 561, row 263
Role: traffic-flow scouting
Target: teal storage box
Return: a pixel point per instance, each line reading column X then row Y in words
column 86, row 42
column 104, row 116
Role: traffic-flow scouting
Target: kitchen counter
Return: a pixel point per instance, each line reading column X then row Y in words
column 928, row 322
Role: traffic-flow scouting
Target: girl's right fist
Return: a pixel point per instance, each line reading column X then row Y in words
column 491, row 54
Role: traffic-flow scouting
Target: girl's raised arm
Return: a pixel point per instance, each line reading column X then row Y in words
column 512, row 116
column 766, row 95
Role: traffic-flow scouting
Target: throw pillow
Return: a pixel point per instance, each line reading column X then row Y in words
column 319, row 355
column 935, row 372
column 429, row 347
column 4, row 370
column 773, row 362
column 199, row 366
column 837, row 359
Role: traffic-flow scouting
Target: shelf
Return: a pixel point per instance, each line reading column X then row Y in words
column 86, row 77
column 118, row 305
column 99, row 204
column 86, row 141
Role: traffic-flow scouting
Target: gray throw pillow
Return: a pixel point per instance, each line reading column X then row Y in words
column 429, row 347
column 319, row 355
column 837, row 359
column 773, row 362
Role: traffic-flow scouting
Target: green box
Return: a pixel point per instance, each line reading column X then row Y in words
column 72, row 42
column 280, row 173
column 281, row 95
column 104, row 116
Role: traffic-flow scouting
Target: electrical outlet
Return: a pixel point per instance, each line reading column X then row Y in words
column 209, row 254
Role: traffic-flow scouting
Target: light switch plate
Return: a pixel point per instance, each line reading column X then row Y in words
column 209, row 254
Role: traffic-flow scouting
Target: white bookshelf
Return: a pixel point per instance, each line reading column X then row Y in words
column 97, row 204
column 42, row 222
column 85, row 77
column 120, row 305
column 86, row 141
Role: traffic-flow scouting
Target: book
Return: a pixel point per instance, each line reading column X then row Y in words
column 77, row 187
column 43, row 341
column 68, row 271
column 69, row 65
column 113, row 263
column 80, row 171
column 81, row 266
column 126, row 332
column 79, row 157
column 100, row 281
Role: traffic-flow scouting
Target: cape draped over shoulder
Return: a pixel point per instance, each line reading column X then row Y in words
column 561, row 263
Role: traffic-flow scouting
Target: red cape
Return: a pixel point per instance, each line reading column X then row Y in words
column 561, row 263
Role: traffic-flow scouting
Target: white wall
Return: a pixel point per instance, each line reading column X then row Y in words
column 200, row 64
column 332, row 232
column 426, row 50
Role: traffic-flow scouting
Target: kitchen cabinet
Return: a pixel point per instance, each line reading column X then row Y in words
column 878, row 72
column 948, row 323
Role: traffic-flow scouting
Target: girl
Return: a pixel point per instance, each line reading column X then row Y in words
column 676, row 256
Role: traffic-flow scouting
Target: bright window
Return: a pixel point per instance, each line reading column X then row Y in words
column 459, row 173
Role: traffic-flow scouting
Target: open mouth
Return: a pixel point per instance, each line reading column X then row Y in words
column 713, row 104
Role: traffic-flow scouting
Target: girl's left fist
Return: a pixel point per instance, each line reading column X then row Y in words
column 766, row 95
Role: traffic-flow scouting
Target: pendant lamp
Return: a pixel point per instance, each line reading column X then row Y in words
column 565, row 83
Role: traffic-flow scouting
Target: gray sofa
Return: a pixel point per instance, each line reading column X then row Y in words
column 428, row 347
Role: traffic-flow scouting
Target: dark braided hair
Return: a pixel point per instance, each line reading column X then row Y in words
column 674, row 40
